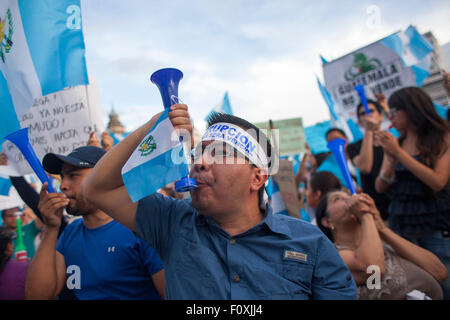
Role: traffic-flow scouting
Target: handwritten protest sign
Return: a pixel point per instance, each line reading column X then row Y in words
column 286, row 183
column 59, row 123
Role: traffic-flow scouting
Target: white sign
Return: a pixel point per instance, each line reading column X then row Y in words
column 58, row 123
column 377, row 67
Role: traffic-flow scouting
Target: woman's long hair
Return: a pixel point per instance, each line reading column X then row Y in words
column 430, row 128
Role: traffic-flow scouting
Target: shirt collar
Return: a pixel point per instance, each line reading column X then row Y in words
column 276, row 225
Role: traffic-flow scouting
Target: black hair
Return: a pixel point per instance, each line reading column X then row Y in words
column 335, row 129
column 375, row 103
column 6, row 237
column 320, row 157
column 321, row 212
column 217, row 117
column 324, row 182
column 430, row 128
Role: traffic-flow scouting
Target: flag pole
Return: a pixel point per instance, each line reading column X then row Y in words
column 89, row 107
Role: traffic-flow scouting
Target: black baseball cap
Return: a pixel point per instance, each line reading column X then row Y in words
column 82, row 157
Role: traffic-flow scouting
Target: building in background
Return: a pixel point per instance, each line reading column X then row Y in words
column 445, row 49
column 114, row 123
column 434, row 85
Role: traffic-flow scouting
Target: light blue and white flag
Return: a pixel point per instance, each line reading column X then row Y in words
column 118, row 137
column 338, row 120
column 5, row 186
column 276, row 201
column 41, row 52
column 156, row 162
column 328, row 100
column 410, row 45
column 414, row 50
column 224, row 107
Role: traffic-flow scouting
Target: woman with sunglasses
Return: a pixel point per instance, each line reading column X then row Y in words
column 416, row 168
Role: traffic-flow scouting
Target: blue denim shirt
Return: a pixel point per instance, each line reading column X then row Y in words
column 280, row 258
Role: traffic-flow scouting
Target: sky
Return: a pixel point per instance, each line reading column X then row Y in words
column 265, row 54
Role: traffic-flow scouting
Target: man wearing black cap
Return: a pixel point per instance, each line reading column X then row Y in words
column 96, row 257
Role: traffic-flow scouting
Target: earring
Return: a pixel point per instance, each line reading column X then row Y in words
column 332, row 228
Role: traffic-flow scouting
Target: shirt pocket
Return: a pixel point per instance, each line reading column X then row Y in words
column 299, row 274
column 194, row 266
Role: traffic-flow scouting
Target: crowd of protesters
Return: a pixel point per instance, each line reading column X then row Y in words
column 390, row 240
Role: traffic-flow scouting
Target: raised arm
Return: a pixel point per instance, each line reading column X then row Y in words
column 364, row 160
column 47, row 272
column 419, row 256
column 104, row 186
column 436, row 178
column 370, row 249
column 406, row 249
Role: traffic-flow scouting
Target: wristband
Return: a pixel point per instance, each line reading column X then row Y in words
column 386, row 180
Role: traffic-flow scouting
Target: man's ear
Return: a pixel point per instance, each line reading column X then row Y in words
column 259, row 178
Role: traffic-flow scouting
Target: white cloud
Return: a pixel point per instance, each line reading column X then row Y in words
column 264, row 53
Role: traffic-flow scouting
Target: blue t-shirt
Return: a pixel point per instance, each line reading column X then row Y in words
column 110, row 261
column 280, row 258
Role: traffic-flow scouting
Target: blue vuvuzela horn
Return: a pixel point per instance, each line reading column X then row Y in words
column 20, row 139
column 362, row 97
column 167, row 81
column 337, row 148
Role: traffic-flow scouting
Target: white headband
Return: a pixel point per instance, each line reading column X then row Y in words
column 239, row 139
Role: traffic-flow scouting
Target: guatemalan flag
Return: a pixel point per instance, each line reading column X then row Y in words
column 156, row 162
column 414, row 50
column 349, row 126
column 117, row 137
column 41, row 52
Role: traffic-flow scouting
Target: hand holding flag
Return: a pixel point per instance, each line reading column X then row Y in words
column 156, row 162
